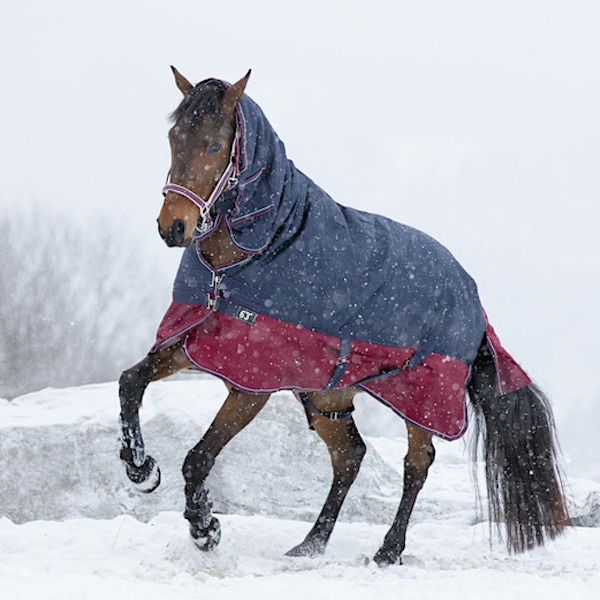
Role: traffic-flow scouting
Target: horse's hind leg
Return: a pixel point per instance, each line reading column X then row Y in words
column 416, row 464
column 346, row 450
column 237, row 411
column 142, row 469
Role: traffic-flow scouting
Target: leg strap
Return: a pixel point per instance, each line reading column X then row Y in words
column 311, row 410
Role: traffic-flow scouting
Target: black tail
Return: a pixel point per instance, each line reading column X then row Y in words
column 517, row 434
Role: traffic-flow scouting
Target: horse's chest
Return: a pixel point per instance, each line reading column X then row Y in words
column 219, row 250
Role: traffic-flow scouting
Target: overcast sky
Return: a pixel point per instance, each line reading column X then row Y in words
column 474, row 121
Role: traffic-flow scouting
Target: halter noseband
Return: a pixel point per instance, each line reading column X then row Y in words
column 228, row 180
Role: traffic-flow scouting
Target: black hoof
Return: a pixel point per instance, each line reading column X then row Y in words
column 147, row 477
column 308, row 548
column 386, row 557
column 206, row 539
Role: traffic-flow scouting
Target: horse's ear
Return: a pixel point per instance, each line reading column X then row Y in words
column 233, row 94
column 182, row 83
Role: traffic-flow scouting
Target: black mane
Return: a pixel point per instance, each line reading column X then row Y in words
column 202, row 101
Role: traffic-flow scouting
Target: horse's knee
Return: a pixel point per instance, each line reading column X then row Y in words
column 155, row 366
column 132, row 384
column 129, row 381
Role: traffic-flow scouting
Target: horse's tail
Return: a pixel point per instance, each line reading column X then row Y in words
column 517, row 434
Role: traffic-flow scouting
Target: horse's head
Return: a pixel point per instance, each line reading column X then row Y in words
column 201, row 139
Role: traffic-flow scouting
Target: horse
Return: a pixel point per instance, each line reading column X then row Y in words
column 235, row 233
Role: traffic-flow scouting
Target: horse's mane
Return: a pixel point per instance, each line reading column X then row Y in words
column 202, row 101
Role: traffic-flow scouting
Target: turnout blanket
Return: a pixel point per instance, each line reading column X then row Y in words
column 328, row 296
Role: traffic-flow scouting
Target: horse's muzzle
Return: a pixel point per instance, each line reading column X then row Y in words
column 175, row 234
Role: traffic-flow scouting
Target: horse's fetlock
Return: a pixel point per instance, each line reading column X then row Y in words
column 198, row 510
column 132, row 442
column 205, row 529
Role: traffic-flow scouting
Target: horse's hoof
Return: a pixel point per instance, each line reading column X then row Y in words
column 386, row 557
column 206, row 539
column 307, row 548
column 147, row 477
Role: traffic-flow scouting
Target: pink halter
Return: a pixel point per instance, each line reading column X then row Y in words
column 228, row 180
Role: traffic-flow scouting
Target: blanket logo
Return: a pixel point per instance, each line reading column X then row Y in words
column 248, row 316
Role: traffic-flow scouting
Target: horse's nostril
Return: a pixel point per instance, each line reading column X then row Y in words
column 175, row 234
column 178, row 229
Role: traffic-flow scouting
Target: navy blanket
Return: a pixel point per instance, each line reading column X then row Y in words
column 348, row 278
column 333, row 269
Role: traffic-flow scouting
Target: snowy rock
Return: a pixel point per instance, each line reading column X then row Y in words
column 59, row 458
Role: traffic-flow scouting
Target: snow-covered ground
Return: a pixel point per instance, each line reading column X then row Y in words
column 72, row 527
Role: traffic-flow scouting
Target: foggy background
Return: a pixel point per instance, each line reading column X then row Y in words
column 476, row 122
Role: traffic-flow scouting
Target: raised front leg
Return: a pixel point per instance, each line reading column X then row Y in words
column 140, row 468
column 237, row 411
column 346, row 450
column 419, row 458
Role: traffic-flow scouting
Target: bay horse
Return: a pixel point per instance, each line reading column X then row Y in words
column 244, row 214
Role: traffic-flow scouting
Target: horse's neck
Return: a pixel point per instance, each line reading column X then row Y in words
column 219, row 250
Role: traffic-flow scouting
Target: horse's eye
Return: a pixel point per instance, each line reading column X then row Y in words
column 214, row 148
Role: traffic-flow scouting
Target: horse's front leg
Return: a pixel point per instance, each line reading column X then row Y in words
column 419, row 458
column 237, row 411
column 333, row 422
column 141, row 468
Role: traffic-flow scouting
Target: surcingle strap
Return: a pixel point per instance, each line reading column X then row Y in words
column 311, row 410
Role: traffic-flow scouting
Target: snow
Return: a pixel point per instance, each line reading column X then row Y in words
column 72, row 527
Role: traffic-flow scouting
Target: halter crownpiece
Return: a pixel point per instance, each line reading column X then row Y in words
column 227, row 180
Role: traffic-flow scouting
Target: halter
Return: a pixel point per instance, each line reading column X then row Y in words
column 227, row 181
